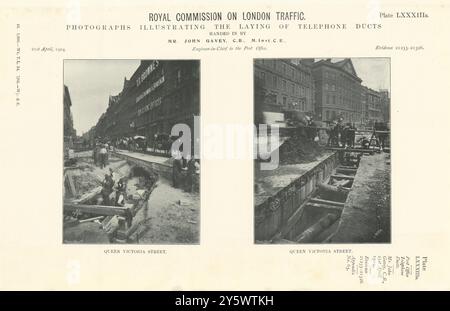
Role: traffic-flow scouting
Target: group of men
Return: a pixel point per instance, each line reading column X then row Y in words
column 340, row 134
column 108, row 189
column 131, row 143
column 100, row 154
column 185, row 171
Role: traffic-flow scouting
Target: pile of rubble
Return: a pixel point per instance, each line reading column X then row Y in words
column 299, row 149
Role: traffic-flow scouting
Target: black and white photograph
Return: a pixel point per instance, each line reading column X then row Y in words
column 131, row 160
column 324, row 126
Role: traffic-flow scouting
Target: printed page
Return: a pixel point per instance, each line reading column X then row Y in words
column 226, row 145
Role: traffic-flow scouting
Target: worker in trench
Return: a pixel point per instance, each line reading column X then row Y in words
column 342, row 132
column 103, row 156
column 312, row 130
column 380, row 126
column 177, row 167
column 351, row 132
column 333, row 134
column 107, row 189
column 120, row 193
column 348, row 135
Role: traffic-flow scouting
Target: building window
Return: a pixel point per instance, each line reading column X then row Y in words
column 274, row 81
column 263, row 78
column 284, row 68
column 284, row 101
column 284, row 85
column 292, row 88
column 196, row 71
column 178, row 76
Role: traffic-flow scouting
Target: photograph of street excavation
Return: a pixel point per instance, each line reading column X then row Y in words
column 121, row 183
column 333, row 181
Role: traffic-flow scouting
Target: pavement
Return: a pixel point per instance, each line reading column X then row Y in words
column 172, row 217
column 146, row 157
column 366, row 214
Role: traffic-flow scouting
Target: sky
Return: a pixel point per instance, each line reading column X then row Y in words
column 373, row 71
column 90, row 84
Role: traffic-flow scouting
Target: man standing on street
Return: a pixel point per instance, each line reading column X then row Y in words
column 191, row 171
column 103, row 154
column 107, row 189
column 176, row 171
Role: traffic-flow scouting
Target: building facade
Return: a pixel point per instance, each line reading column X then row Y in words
column 69, row 131
column 385, row 105
column 159, row 94
column 338, row 91
column 287, row 85
column 373, row 106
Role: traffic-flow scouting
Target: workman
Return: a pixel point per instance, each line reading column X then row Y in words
column 176, row 171
column 103, row 156
column 107, row 188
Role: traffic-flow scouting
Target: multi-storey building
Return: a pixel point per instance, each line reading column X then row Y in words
column 159, row 94
column 374, row 106
column 337, row 91
column 168, row 92
column 286, row 84
column 69, row 131
column 88, row 138
column 385, row 105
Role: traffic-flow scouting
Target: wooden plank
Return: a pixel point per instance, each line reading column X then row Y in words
column 371, row 131
column 341, row 182
column 325, row 206
column 333, row 193
column 70, row 168
column 96, row 209
column 346, row 170
column 343, row 177
column 332, row 189
column 88, row 195
column 73, row 190
column 91, row 219
column 346, row 166
column 327, row 202
column 371, row 151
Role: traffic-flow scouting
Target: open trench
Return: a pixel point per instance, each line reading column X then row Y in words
column 153, row 211
column 90, row 216
column 308, row 209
